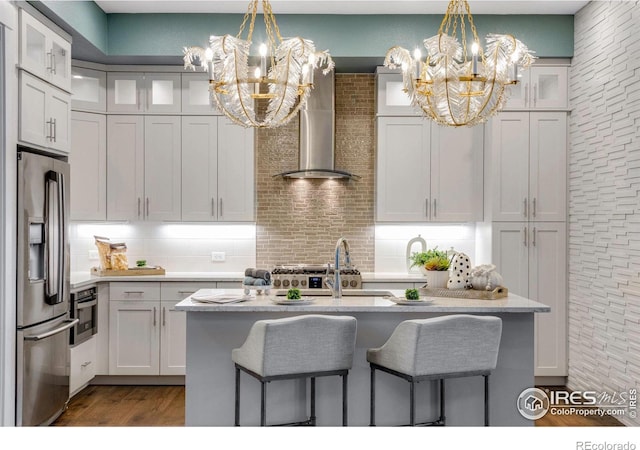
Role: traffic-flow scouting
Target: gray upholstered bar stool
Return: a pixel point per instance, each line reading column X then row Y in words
column 308, row 346
column 438, row 348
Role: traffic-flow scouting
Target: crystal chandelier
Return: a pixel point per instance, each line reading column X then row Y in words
column 452, row 87
column 264, row 95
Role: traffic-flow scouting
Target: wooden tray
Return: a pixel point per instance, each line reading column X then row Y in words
column 499, row 292
column 132, row 272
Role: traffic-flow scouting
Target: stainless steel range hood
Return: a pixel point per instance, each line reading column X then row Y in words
column 317, row 133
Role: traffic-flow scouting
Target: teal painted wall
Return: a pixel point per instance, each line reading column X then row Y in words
column 343, row 35
column 86, row 18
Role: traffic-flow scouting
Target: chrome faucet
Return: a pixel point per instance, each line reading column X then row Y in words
column 335, row 284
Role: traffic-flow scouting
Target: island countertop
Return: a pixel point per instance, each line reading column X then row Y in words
column 362, row 303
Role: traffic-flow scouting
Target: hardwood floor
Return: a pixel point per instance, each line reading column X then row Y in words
column 163, row 406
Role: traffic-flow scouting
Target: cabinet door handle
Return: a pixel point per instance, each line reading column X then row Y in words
column 164, row 315
column 50, row 66
column 134, row 292
column 535, row 94
column 534, row 207
column 426, row 209
column 49, row 131
column 220, row 207
column 53, row 63
column 138, row 206
column 526, row 94
column 534, row 237
column 526, row 231
column 525, row 207
column 435, row 210
column 213, row 207
column 154, row 316
column 147, row 207
column 55, row 130
column 186, row 292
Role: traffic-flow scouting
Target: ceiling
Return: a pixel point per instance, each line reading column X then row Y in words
column 342, row 6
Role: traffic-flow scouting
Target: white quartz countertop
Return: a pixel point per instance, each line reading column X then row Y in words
column 326, row 304
column 85, row 279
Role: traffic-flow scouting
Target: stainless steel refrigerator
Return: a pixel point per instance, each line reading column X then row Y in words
column 43, row 323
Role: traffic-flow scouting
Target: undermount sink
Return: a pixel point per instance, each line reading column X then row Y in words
column 345, row 292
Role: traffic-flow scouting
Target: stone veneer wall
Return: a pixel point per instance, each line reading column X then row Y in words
column 604, row 211
column 299, row 221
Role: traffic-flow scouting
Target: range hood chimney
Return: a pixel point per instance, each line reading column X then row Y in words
column 317, row 133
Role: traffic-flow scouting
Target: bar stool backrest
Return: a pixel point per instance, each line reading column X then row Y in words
column 453, row 344
column 301, row 344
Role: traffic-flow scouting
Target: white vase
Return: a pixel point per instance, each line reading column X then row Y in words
column 436, row 278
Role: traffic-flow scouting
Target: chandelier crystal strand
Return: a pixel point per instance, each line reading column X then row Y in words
column 455, row 86
column 252, row 96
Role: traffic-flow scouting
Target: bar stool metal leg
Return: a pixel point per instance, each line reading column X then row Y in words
column 237, row 418
column 442, row 418
column 486, row 400
column 372, row 411
column 412, row 403
column 312, row 419
column 263, row 403
column 344, row 400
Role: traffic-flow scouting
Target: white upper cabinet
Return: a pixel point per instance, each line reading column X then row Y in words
column 528, row 168
column 457, row 173
column 88, row 89
column 44, row 114
column 143, row 168
column 392, row 100
column 131, row 92
column 540, row 88
column 88, row 162
column 426, row 172
column 162, row 174
column 403, row 173
column 44, row 53
column 195, row 94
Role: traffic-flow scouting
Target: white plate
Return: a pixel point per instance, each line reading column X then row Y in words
column 220, row 298
column 404, row 301
column 286, row 301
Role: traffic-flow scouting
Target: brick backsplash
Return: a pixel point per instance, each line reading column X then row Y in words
column 299, row 221
column 604, row 216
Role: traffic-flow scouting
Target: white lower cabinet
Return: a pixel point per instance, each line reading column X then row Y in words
column 82, row 365
column 147, row 335
column 532, row 259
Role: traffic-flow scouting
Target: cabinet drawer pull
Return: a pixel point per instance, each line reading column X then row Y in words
column 164, row 314
column 534, row 237
column 534, row 207
column 154, row 316
column 526, row 231
column 186, row 292
column 85, row 364
column 134, row 292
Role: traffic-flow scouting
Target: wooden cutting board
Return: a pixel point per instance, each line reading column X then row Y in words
column 132, row 272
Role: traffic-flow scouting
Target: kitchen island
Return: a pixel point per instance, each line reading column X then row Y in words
column 213, row 330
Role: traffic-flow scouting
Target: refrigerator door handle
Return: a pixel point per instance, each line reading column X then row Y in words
column 38, row 337
column 55, row 236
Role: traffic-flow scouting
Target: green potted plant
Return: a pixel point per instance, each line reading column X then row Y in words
column 434, row 264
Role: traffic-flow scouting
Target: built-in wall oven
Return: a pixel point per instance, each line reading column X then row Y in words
column 84, row 307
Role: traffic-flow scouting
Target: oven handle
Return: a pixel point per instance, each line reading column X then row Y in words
column 38, row 337
column 86, row 304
